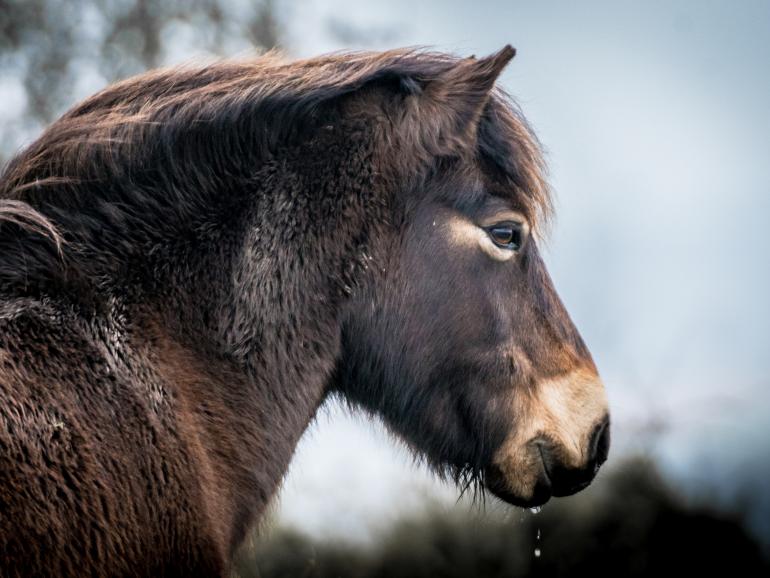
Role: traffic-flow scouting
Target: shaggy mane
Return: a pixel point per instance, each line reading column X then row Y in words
column 162, row 128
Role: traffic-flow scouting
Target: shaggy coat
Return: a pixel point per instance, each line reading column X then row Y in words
column 181, row 256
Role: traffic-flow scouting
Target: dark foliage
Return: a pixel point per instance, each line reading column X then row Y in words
column 630, row 523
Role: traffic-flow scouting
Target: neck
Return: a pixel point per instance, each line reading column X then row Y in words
column 234, row 306
column 243, row 325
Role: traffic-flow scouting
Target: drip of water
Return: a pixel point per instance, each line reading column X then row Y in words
column 535, row 511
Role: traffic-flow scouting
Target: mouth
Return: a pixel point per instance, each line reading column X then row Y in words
column 495, row 482
column 552, row 477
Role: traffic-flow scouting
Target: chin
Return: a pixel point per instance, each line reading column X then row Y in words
column 496, row 484
column 540, row 496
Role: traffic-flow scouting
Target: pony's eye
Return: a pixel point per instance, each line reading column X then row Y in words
column 507, row 235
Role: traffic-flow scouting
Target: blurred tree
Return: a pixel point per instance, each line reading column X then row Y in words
column 48, row 47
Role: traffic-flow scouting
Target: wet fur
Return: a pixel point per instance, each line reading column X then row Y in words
column 178, row 255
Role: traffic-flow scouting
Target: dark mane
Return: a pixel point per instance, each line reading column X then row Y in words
column 185, row 131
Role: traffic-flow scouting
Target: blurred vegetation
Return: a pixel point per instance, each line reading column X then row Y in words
column 47, row 47
column 631, row 522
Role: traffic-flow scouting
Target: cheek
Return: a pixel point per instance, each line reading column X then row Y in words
column 451, row 299
column 455, row 290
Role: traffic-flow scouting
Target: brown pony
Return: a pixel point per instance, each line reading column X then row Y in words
column 192, row 260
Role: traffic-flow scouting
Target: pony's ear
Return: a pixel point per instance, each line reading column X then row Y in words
column 462, row 92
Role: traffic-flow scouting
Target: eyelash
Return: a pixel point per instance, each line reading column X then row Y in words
column 508, row 235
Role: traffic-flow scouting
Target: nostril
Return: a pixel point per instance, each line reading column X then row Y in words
column 599, row 447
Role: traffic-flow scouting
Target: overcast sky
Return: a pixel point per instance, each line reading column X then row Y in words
column 656, row 118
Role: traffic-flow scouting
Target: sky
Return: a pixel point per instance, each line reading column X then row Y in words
column 656, row 121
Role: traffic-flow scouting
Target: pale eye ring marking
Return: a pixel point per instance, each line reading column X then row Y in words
column 463, row 231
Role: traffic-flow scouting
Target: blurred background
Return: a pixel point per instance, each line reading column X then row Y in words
column 656, row 121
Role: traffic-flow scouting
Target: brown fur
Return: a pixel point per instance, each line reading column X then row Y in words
column 192, row 260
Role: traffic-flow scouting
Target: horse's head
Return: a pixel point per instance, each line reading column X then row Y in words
column 458, row 338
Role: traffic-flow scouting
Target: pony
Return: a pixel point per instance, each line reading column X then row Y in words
column 194, row 259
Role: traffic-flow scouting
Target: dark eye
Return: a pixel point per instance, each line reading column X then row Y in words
column 507, row 235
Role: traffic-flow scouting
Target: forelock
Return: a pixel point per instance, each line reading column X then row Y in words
column 509, row 149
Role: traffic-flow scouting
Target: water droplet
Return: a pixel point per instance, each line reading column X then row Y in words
column 536, row 510
column 538, row 533
column 537, row 552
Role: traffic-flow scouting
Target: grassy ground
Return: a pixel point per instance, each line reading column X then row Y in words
column 630, row 523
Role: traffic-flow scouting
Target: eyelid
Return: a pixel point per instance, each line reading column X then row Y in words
column 505, row 217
